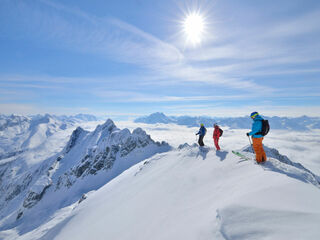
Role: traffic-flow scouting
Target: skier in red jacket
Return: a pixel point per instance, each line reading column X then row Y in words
column 216, row 135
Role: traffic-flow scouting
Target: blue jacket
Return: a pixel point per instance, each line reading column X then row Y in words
column 256, row 127
column 202, row 131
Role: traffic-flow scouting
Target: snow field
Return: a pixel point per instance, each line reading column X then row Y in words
column 181, row 195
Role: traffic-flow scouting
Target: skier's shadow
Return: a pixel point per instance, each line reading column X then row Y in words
column 222, row 155
column 203, row 151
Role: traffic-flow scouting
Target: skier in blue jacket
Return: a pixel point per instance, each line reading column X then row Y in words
column 257, row 137
column 202, row 132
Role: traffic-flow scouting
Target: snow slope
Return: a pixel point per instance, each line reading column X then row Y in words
column 190, row 193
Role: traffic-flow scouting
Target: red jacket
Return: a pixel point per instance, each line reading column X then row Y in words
column 216, row 132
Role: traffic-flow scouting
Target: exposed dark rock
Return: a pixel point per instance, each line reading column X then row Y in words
column 68, row 182
column 19, row 188
column 14, row 192
column 83, row 197
column 59, row 183
column 129, row 145
column 64, row 180
column 20, row 213
column 2, row 172
column 81, row 169
column 73, row 139
column 33, row 198
column 86, row 157
column 99, row 165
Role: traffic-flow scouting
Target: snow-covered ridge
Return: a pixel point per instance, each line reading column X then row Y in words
column 299, row 123
column 285, row 166
column 191, row 193
column 88, row 161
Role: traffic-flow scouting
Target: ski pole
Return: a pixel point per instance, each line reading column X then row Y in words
column 251, row 144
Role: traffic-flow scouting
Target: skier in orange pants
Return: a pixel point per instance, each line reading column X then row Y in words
column 257, row 137
column 258, row 149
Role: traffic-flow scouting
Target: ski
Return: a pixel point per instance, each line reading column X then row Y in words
column 242, row 156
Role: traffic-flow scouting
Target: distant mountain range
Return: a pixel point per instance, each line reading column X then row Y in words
column 303, row 123
column 18, row 133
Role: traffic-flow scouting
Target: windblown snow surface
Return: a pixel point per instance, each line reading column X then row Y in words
column 194, row 193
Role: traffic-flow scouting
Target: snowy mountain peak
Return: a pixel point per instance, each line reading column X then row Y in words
column 139, row 131
column 88, row 161
column 109, row 125
column 85, row 117
column 155, row 118
column 106, row 149
column 74, row 138
column 106, row 128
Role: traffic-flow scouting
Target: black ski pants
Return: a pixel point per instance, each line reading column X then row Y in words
column 200, row 141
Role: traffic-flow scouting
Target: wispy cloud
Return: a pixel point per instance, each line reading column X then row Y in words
column 228, row 67
column 303, row 24
column 280, row 44
column 104, row 89
column 111, row 37
column 118, row 40
column 133, row 96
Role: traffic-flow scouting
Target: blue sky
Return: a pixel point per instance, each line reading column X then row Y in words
column 132, row 57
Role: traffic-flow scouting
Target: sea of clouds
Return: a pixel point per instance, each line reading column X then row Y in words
column 299, row 146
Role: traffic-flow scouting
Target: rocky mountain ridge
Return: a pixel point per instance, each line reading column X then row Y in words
column 88, row 161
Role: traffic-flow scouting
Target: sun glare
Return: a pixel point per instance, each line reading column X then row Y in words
column 193, row 27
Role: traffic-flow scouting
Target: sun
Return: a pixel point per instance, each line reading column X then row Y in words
column 194, row 27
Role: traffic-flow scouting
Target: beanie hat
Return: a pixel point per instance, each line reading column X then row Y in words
column 254, row 114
